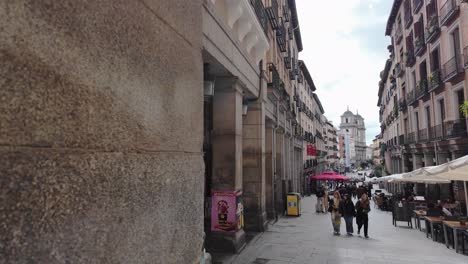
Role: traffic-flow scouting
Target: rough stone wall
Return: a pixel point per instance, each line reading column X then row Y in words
column 101, row 131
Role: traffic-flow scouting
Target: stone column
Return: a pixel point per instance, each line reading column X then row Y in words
column 270, row 169
column 429, row 159
column 227, row 152
column 279, row 193
column 254, row 167
column 417, row 161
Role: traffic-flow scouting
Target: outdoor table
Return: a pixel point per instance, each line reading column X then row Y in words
column 455, row 226
column 432, row 220
column 418, row 214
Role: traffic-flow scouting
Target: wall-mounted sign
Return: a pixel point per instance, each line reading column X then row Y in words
column 311, row 150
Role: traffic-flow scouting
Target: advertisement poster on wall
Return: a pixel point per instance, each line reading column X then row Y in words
column 226, row 211
column 311, row 150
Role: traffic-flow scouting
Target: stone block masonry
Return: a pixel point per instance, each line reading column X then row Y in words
column 96, row 99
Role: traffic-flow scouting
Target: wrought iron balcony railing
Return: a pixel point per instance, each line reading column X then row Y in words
column 419, row 45
column 402, row 104
column 399, row 70
column 432, row 28
column 421, row 89
column 274, row 80
column 281, row 37
column 398, row 34
column 401, row 140
column 271, row 8
column 287, row 62
column 435, row 80
column 448, row 11
column 410, row 138
column 261, row 13
column 423, row 135
column 452, row 68
column 410, row 58
column 455, row 128
column 410, row 97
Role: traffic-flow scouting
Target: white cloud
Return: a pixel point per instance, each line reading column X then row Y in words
column 344, row 69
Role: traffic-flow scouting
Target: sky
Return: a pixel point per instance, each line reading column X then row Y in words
column 345, row 49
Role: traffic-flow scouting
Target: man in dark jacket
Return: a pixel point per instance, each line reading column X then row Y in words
column 348, row 211
column 319, row 206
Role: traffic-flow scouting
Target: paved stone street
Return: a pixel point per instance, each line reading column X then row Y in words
column 309, row 239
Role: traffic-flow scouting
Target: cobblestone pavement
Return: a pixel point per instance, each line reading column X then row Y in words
column 309, row 239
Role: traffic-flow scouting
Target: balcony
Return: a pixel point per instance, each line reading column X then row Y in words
column 435, row 80
column 410, row 58
column 286, row 13
column 452, row 68
column 423, row 135
column 455, row 128
column 417, row 4
column 287, row 62
column 401, row 140
column 292, row 76
column 465, row 55
column 274, row 82
column 300, row 79
column 448, row 11
column 421, row 89
column 436, row 132
column 398, row 35
column 410, row 138
column 402, row 104
column 399, row 70
column 410, row 97
column 260, row 12
column 419, row 45
column 281, row 37
column 449, row 130
column 432, row 29
column 271, row 8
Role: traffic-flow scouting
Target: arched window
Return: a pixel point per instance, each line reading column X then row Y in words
column 346, row 120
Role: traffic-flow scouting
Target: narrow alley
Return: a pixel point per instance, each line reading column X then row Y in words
column 309, row 239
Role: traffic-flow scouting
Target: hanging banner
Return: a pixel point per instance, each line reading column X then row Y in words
column 311, row 150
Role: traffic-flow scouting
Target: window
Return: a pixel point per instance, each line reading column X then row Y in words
column 442, row 110
column 435, row 60
column 346, row 122
column 423, row 70
column 455, row 42
column 460, row 99
column 416, row 116
column 413, row 79
column 428, row 116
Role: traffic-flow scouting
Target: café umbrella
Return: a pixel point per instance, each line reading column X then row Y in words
column 329, row 176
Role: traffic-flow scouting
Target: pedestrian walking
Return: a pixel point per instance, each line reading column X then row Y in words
column 335, row 210
column 349, row 212
column 325, row 197
column 362, row 214
column 320, row 194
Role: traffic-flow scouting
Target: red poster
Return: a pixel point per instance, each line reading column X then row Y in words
column 311, row 150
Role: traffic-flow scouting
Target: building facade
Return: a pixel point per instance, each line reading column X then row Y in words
column 376, row 150
column 423, row 84
column 353, row 137
column 331, row 148
column 138, row 113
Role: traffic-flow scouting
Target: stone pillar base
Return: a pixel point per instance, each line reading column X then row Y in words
column 226, row 242
column 256, row 222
